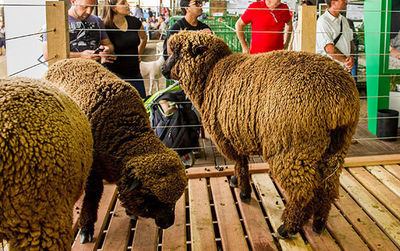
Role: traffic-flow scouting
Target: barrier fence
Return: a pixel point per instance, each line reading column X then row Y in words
column 223, row 27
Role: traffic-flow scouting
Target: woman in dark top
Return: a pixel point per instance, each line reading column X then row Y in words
column 129, row 38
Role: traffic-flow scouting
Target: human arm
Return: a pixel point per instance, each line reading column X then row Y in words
column 207, row 30
column 288, row 32
column 349, row 63
column 89, row 54
column 239, row 27
column 108, row 48
column 335, row 53
column 394, row 52
column 143, row 41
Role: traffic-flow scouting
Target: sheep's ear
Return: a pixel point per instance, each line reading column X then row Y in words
column 134, row 183
column 199, row 50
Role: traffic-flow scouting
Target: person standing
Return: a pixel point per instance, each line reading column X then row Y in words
column 129, row 38
column 334, row 35
column 192, row 10
column 138, row 13
column 270, row 20
column 86, row 33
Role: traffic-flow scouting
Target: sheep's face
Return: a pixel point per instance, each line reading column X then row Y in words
column 151, row 184
column 193, row 55
column 141, row 202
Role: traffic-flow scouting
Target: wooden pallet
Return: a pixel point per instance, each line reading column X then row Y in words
column 210, row 215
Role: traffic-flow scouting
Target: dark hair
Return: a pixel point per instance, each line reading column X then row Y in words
column 308, row 2
column 184, row 3
column 329, row 2
column 108, row 13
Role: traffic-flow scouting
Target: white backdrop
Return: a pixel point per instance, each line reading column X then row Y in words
column 24, row 52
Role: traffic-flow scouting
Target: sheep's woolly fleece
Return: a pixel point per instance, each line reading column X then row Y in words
column 45, row 157
column 121, row 128
column 299, row 110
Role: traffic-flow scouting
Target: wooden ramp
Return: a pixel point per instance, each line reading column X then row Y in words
column 210, row 215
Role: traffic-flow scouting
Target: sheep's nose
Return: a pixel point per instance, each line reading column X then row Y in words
column 166, row 217
column 165, row 72
column 165, row 222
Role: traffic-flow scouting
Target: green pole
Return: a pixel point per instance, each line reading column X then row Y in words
column 377, row 85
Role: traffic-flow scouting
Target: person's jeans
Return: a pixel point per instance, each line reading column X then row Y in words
column 135, row 81
column 354, row 69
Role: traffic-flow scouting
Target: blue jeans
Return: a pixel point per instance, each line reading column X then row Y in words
column 138, row 83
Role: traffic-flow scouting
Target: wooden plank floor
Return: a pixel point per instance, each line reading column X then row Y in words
column 210, row 215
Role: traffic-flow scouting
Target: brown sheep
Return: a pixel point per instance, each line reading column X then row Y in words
column 149, row 176
column 45, row 156
column 299, row 110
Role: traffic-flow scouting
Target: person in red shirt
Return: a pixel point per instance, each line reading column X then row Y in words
column 268, row 19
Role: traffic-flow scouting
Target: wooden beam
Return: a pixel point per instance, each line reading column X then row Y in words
column 307, row 28
column 372, row 160
column 228, row 170
column 58, row 32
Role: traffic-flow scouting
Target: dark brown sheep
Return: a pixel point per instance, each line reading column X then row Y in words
column 45, row 156
column 299, row 110
column 149, row 176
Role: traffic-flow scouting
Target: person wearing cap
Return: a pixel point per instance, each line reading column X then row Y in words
column 271, row 26
column 192, row 10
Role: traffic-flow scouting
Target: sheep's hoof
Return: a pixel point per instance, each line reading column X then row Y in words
column 245, row 196
column 319, row 225
column 133, row 217
column 233, row 182
column 86, row 236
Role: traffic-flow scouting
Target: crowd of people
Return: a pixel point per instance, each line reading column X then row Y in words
column 120, row 36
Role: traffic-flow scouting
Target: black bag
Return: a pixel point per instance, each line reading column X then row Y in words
column 179, row 130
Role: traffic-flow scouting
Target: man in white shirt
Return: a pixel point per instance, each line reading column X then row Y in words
column 329, row 26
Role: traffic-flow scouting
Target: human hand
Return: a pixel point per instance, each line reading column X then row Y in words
column 89, row 54
column 206, row 30
column 104, row 54
column 349, row 63
column 394, row 53
column 246, row 50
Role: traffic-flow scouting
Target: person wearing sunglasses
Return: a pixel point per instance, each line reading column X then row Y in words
column 271, row 26
column 192, row 10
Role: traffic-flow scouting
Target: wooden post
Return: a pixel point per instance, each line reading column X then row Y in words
column 307, row 28
column 57, row 41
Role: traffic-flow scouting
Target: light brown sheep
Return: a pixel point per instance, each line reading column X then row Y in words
column 45, row 156
column 149, row 176
column 299, row 110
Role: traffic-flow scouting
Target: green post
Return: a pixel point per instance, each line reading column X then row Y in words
column 377, row 85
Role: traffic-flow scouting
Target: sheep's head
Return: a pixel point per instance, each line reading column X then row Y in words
column 194, row 54
column 151, row 185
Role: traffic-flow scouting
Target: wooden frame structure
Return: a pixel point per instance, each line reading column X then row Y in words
column 210, row 215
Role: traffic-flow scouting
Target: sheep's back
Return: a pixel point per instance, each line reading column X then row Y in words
column 45, row 148
column 279, row 94
column 114, row 108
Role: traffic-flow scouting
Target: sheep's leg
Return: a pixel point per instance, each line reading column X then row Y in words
column 151, row 85
column 332, row 165
column 328, row 191
column 93, row 191
column 241, row 178
column 157, row 85
column 300, row 183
